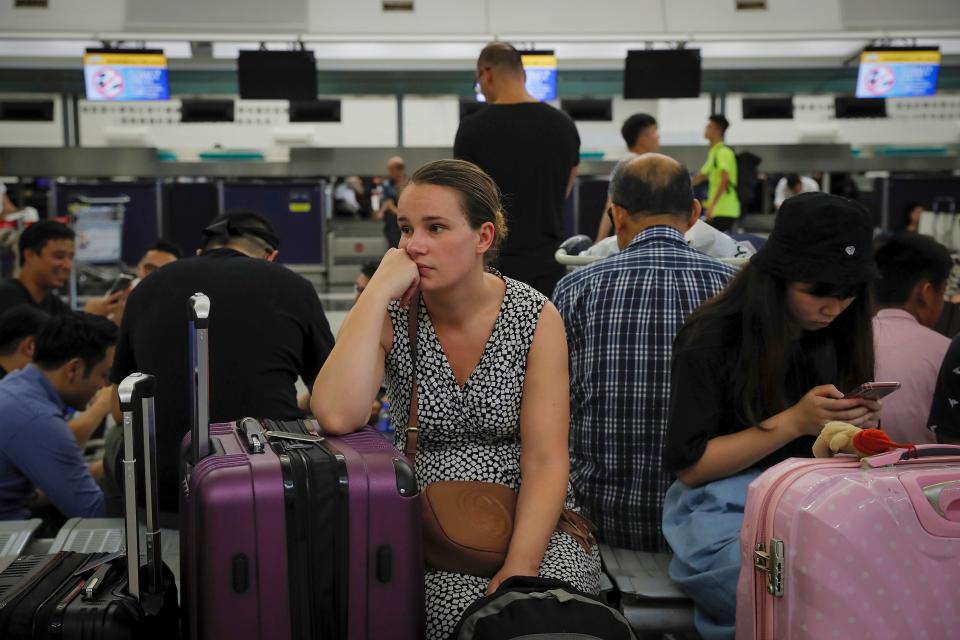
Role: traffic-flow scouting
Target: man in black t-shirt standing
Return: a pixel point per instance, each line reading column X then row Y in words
column 266, row 327
column 46, row 258
column 531, row 151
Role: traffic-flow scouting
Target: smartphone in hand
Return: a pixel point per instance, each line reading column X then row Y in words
column 120, row 284
column 873, row 390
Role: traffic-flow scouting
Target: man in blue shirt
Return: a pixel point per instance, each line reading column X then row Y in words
column 71, row 362
column 621, row 315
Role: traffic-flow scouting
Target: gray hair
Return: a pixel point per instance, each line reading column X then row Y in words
column 651, row 184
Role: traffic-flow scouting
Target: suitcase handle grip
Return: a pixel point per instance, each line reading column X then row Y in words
column 253, row 432
column 200, row 310
column 920, row 451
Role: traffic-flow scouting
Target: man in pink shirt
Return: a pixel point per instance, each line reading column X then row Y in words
column 909, row 296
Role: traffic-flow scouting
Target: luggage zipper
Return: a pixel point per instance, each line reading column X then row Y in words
column 20, row 591
column 770, row 560
column 56, row 621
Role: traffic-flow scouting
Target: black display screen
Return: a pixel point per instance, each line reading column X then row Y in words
column 277, row 75
column 666, row 73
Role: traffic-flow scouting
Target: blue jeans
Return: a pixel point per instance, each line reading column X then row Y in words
column 702, row 526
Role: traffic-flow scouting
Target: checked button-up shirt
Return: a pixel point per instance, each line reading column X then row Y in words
column 621, row 315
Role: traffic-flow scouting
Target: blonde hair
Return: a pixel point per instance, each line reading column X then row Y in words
column 478, row 194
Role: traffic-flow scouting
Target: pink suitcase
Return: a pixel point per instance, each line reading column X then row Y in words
column 839, row 548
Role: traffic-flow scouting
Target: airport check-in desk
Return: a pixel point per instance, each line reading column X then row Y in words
column 177, row 199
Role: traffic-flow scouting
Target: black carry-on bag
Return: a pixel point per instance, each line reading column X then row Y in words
column 99, row 595
column 525, row 607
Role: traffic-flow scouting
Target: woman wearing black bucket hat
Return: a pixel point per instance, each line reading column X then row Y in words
column 757, row 372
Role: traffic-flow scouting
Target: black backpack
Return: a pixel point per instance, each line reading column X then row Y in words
column 747, row 177
column 527, row 607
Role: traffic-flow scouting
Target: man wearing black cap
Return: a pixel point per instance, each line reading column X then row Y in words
column 266, row 328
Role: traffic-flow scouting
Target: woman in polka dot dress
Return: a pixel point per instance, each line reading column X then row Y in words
column 491, row 376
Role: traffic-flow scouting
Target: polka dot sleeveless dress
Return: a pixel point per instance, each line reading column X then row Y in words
column 473, row 433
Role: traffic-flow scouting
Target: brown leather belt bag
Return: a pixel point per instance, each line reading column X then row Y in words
column 467, row 524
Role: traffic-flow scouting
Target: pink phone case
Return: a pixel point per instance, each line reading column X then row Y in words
column 873, row 390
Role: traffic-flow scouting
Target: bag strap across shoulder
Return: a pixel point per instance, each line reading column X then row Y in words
column 413, row 430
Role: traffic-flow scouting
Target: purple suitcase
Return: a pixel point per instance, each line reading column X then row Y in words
column 286, row 533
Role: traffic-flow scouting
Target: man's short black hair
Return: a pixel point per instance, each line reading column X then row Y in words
column 240, row 224
column 905, row 260
column 20, row 322
column 635, row 125
column 501, row 55
column 720, row 120
column 37, row 235
column 167, row 247
column 74, row 335
column 793, row 180
column 370, row 267
column 652, row 185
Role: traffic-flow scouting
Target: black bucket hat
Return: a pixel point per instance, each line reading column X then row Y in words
column 819, row 237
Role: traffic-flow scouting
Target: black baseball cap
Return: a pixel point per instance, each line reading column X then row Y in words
column 242, row 223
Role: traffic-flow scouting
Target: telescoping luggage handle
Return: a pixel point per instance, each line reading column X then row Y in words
column 920, row 451
column 137, row 398
column 200, row 375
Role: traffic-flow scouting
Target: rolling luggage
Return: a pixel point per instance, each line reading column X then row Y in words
column 69, row 595
column 286, row 533
column 843, row 548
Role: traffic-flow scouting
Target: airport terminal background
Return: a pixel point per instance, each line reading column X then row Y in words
column 136, row 120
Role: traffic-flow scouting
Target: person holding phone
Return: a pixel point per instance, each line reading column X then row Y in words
column 46, row 258
column 757, row 372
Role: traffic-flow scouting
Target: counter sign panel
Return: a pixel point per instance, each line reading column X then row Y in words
column 126, row 75
column 898, row 73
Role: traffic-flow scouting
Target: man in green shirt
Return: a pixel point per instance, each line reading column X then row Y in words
column 722, row 207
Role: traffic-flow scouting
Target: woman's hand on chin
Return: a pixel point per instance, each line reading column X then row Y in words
column 397, row 277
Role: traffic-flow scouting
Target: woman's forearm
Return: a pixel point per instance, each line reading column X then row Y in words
column 542, row 494
column 732, row 453
column 347, row 384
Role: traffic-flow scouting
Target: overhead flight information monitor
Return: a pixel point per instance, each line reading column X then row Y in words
column 898, row 72
column 541, row 68
column 116, row 75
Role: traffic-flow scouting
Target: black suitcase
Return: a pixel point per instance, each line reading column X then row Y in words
column 101, row 596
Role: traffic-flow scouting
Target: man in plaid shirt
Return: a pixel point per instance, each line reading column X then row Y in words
column 621, row 315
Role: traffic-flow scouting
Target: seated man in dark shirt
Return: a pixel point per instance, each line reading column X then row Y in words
column 46, row 258
column 266, row 328
column 73, row 357
column 18, row 329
